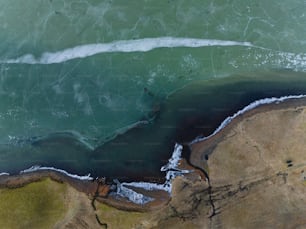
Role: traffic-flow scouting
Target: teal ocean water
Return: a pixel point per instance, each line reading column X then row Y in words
column 108, row 87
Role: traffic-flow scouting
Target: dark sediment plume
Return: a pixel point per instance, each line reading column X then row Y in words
column 196, row 110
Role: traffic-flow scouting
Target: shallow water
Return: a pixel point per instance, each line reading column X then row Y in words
column 145, row 51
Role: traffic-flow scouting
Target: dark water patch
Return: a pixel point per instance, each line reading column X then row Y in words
column 196, row 110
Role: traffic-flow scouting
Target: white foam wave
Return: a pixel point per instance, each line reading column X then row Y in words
column 175, row 158
column 133, row 196
column 4, row 174
column 171, row 170
column 37, row 168
column 124, row 189
column 137, row 45
column 247, row 108
column 146, row 185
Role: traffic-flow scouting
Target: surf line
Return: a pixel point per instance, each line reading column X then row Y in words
column 38, row 168
column 125, row 46
column 249, row 107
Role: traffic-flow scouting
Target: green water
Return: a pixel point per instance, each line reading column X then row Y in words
column 100, row 96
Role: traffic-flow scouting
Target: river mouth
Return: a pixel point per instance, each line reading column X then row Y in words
column 138, row 154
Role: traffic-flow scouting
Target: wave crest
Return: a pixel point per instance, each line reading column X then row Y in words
column 137, row 45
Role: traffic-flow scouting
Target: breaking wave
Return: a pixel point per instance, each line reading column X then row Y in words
column 171, row 170
column 137, row 45
column 37, row 168
column 247, row 108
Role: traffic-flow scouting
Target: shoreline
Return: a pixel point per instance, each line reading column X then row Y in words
column 100, row 190
column 200, row 150
column 251, row 106
column 194, row 110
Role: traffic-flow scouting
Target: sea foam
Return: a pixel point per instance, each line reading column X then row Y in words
column 37, row 168
column 247, row 108
column 171, row 170
column 124, row 189
column 137, row 45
